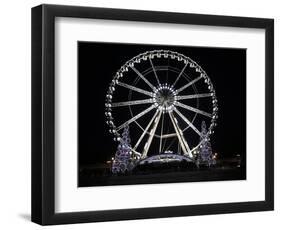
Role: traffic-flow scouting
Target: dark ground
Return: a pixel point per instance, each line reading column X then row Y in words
column 88, row 176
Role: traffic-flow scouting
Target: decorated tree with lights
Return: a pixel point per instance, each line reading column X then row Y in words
column 205, row 156
column 122, row 162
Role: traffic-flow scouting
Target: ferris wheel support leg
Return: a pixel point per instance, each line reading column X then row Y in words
column 183, row 143
column 151, row 135
column 161, row 135
column 145, row 131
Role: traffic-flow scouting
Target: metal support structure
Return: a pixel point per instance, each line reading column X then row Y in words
column 187, row 121
column 145, row 93
column 155, row 74
column 146, row 129
column 183, row 97
column 135, row 117
column 151, row 134
column 183, row 143
column 189, row 84
column 178, row 77
column 135, row 89
column 143, row 78
column 193, row 109
column 136, row 102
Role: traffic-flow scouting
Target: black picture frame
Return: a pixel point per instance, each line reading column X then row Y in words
column 43, row 110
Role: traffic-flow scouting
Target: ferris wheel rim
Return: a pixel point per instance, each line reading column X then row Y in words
column 158, row 54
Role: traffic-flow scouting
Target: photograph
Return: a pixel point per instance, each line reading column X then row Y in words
column 142, row 114
column 151, row 113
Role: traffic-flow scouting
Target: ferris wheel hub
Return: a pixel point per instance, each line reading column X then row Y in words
column 164, row 98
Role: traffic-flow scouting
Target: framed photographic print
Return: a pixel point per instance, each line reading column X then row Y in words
column 142, row 114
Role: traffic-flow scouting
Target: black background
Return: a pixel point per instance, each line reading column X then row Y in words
column 97, row 64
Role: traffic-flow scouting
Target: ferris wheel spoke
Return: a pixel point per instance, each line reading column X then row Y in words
column 187, row 121
column 146, row 129
column 191, row 96
column 135, row 117
column 183, row 143
column 151, row 135
column 142, row 77
column 135, row 89
column 136, row 102
column 167, row 72
column 180, row 74
column 157, row 79
column 189, row 84
column 161, row 135
column 193, row 109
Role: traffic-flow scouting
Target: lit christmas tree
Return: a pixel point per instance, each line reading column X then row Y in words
column 122, row 162
column 205, row 156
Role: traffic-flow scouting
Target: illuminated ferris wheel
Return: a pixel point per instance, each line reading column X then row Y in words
column 163, row 96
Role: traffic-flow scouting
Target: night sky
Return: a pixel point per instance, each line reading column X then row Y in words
column 98, row 62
